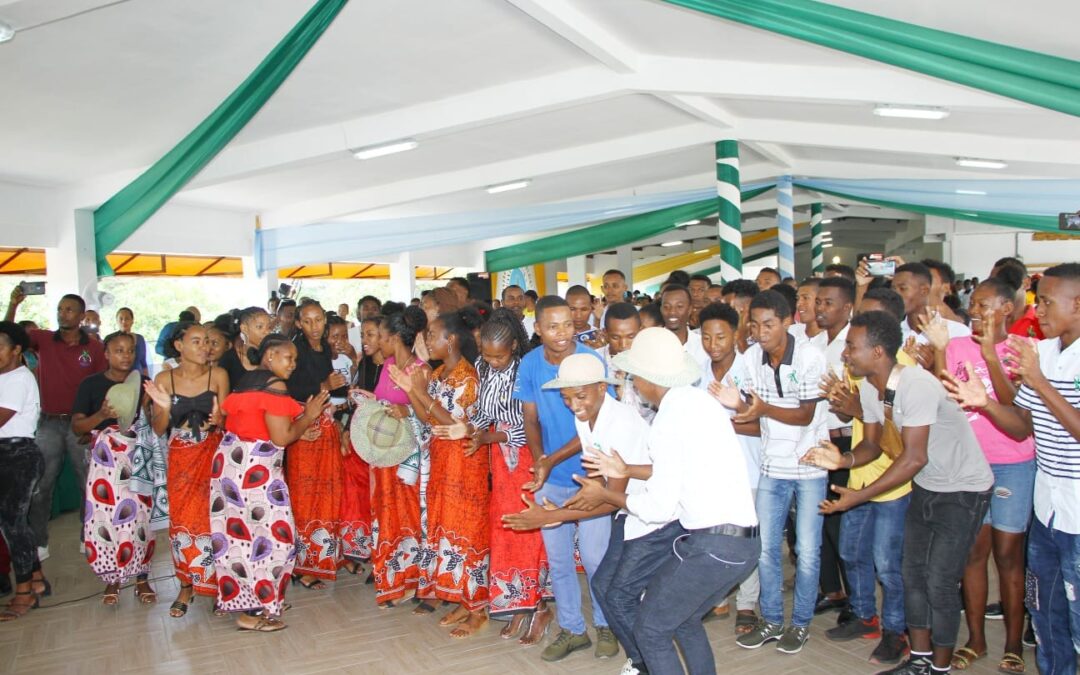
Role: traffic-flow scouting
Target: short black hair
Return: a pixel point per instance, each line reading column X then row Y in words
column 770, row 270
column 188, row 317
column 125, row 309
column 461, row 281
column 1010, row 260
column 715, row 285
column 15, row 334
column 115, row 335
column 549, row 302
column 178, row 333
column 701, row 277
column 774, row 300
column 1012, row 272
column 390, row 307
column 789, row 293
column 652, row 310
column 845, row 271
column 503, row 294
column 889, row 299
column 718, row 311
column 916, row 269
column 944, row 270
column 1067, row 271
column 371, row 298
column 577, row 289
column 675, row 288
column 810, row 281
column 847, row 288
column 882, row 330
column 532, row 294
column 620, row 311
column 1000, row 287
column 680, row 277
column 77, row 298
column 614, row 273
column 741, row 288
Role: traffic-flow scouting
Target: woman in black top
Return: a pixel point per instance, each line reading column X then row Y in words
column 187, row 400
column 313, row 463
column 251, row 325
column 116, row 530
column 371, row 363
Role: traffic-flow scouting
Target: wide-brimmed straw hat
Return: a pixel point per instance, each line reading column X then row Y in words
column 379, row 439
column 124, row 399
column 578, row 370
column 657, row 355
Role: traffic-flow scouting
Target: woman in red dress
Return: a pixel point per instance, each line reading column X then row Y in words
column 457, row 492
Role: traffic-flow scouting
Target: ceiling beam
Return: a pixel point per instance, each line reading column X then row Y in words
column 565, row 19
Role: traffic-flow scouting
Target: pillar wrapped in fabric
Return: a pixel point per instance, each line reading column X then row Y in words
column 730, row 199
column 817, row 250
column 785, row 227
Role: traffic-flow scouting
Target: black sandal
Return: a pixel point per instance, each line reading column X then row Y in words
column 178, row 608
column 17, row 611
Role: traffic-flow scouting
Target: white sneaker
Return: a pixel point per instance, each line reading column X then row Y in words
column 42, row 553
column 629, row 669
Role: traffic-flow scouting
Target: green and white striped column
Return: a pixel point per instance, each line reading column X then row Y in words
column 730, row 222
column 785, row 227
column 817, row 251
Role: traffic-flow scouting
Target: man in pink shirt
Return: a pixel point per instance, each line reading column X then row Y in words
column 1013, row 462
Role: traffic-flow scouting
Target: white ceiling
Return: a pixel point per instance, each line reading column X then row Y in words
column 584, row 97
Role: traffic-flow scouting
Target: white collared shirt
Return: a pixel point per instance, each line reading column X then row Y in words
column 834, row 361
column 956, row 329
column 751, row 445
column 795, row 380
column 695, row 349
column 619, row 427
column 1057, row 476
column 698, row 475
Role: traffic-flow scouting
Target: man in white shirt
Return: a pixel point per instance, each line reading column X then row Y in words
column 613, row 286
column 696, row 477
column 675, row 306
column 622, row 323
column 1048, row 405
column 785, row 375
column 913, row 282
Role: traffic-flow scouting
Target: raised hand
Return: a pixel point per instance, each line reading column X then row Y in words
column 754, row 412
column 452, row 432
column 727, row 393
column 589, row 497
column 603, row 465
column 935, row 330
column 825, row 455
column 159, row 396
column 400, row 378
column 316, row 403
column 1025, row 360
column 969, row 393
column 843, row 400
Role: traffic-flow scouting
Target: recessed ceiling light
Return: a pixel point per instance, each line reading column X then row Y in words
column 836, row 260
column 974, row 163
column 385, row 149
column 970, row 192
column 916, row 112
column 829, row 245
column 704, row 250
column 671, row 243
column 507, row 187
column 826, row 221
column 689, row 222
column 6, row 32
column 826, row 233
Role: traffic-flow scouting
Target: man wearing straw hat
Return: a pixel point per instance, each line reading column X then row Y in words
column 698, row 476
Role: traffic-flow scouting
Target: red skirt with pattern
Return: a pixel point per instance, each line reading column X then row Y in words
column 313, row 474
column 355, row 524
column 188, row 484
column 458, row 526
column 396, row 535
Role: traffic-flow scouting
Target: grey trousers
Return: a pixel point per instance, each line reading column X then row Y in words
column 55, row 439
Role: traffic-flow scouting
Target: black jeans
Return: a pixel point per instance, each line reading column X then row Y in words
column 625, row 572
column 703, row 569
column 21, row 466
column 939, row 532
column 833, row 575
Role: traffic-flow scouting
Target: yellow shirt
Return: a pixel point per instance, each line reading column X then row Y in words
column 862, row 476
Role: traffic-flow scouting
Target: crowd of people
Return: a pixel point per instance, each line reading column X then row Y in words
column 893, row 431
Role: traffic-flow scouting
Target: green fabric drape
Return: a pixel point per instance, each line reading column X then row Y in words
column 1040, row 79
column 709, row 271
column 604, row 236
column 127, row 210
column 1019, row 220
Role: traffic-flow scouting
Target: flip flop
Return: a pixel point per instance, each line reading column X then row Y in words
column 1011, row 663
column 963, row 658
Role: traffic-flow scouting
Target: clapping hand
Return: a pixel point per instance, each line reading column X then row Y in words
column 825, row 455
column 751, row 414
column 970, row 392
column 934, row 329
column 726, row 393
column 159, row 396
column 1024, row 362
column 603, row 465
column 589, row 497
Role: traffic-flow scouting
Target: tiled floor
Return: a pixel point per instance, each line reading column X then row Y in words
column 334, row 631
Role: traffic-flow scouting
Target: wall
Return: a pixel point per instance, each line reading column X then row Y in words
column 973, row 247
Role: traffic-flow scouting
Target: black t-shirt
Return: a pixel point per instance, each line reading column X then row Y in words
column 91, row 395
column 232, row 366
column 312, row 369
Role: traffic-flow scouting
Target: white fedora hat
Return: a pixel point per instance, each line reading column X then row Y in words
column 657, row 355
column 578, row 370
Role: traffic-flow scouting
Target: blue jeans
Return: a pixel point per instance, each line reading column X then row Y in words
column 1014, row 492
column 773, row 502
column 1053, row 585
column 626, row 571
column 592, row 538
column 703, row 569
column 872, row 538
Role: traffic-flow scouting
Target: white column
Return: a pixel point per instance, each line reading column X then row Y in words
column 257, row 287
column 71, row 265
column 575, row 270
column 403, row 278
column 551, row 276
column 624, row 256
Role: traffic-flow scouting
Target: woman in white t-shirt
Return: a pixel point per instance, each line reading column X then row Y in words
column 21, row 466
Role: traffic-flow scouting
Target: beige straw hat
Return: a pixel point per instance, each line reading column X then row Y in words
column 381, row 440
column 657, row 355
column 578, row 370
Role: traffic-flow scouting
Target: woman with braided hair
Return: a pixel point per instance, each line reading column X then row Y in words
column 518, row 585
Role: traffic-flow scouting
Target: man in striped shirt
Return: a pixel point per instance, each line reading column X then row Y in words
column 1048, row 404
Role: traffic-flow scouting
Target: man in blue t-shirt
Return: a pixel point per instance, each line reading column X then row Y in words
column 549, row 426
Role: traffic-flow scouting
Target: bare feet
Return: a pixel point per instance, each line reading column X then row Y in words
column 472, row 624
column 541, row 618
column 512, row 628
column 455, row 616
